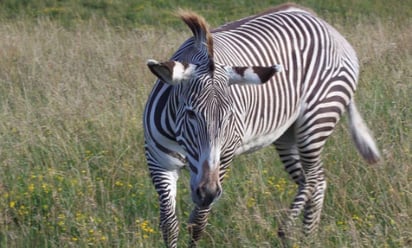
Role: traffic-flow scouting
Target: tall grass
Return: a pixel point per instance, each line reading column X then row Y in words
column 73, row 171
column 140, row 13
column 72, row 163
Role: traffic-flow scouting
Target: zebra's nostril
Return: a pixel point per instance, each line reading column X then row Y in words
column 206, row 195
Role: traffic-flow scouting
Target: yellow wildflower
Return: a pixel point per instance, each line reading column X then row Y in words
column 45, row 187
column 250, row 202
column 31, row 187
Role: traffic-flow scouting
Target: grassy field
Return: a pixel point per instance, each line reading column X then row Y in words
column 73, row 83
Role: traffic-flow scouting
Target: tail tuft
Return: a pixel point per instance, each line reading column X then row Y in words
column 362, row 136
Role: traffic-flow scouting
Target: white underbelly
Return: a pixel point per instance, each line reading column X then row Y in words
column 253, row 143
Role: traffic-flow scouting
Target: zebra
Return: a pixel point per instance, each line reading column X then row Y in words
column 281, row 77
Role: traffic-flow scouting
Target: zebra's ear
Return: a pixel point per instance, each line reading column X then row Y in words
column 171, row 72
column 251, row 74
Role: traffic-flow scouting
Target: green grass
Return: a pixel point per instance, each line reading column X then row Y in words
column 72, row 166
column 140, row 13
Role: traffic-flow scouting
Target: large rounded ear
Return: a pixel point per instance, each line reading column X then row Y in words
column 251, row 74
column 171, row 72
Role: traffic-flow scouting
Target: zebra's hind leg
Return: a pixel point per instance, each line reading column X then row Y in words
column 289, row 155
column 302, row 198
column 313, row 208
column 310, row 142
column 197, row 224
column 290, row 158
column 308, row 173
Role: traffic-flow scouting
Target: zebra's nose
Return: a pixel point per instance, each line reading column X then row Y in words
column 206, row 187
column 206, row 194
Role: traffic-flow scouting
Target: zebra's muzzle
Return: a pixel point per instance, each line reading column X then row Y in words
column 208, row 188
column 205, row 195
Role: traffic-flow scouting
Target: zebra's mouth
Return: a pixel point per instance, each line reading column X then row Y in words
column 206, row 189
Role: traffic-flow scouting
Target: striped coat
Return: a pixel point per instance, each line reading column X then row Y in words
column 283, row 77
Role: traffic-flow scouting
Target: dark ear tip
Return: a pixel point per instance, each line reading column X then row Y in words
column 268, row 72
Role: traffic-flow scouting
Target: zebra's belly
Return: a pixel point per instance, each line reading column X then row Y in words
column 255, row 142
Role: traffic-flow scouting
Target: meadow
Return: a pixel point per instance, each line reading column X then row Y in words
column 73, row 84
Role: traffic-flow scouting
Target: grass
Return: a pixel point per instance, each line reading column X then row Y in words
column 73, row 171
column 138, row 13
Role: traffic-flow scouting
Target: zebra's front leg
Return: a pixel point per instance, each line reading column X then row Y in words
column 197, row 224
column 165, row 184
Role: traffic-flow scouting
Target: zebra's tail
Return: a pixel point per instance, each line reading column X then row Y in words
column 362, row 136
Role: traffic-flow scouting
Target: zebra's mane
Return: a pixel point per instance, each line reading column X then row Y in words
column 200, row 29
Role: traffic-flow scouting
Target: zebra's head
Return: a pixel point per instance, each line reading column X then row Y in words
column 204, row 113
